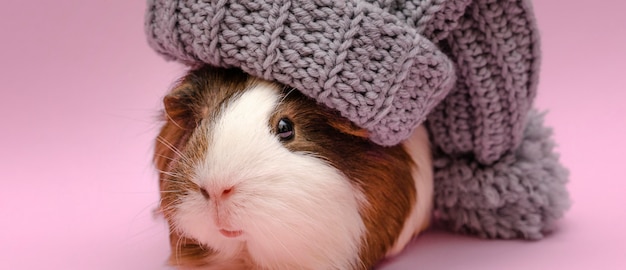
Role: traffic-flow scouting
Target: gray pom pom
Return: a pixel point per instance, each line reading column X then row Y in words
column 519, row 196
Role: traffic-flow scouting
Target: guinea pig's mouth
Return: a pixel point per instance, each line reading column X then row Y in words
column 231, row 234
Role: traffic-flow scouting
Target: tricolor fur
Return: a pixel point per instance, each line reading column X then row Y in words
column 236, row 196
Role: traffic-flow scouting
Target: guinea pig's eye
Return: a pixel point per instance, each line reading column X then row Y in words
column 284, row 129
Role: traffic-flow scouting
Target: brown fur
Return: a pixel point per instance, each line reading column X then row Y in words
column 382, row 173
column 187, row 252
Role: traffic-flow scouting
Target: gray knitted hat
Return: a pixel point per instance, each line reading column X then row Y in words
column 466, row 67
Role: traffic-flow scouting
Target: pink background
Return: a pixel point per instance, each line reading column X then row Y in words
column 80, row 90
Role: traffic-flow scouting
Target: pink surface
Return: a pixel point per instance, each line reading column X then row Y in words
column 80, row 90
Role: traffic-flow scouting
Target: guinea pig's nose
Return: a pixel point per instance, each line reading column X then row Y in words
column 227, row 192
column 205, row 193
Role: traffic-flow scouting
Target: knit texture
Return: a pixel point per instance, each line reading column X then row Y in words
column 495, row 47
column 519, row 196
column 467, row 69
column 349, row 55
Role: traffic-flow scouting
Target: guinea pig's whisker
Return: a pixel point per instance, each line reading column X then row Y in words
column 291, row 90
column 173, row 148
column 166, row 157
column 173, row 181
column 179, row 248
column 171, row 191
column 314, row 155
column 171, row 120
column 170, row 206
column 170, row 173
column 172, row 203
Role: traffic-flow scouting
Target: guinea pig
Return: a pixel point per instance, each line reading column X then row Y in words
column 255, row 175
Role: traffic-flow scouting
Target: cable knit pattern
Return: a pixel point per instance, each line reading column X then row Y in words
column 349, row 55
column 496, row 49
column 466, row 68
column 433, row 18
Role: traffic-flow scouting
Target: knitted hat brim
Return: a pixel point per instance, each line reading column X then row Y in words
column 348, row 55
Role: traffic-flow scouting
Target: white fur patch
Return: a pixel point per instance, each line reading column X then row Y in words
column 418, row 148
column 295, row 211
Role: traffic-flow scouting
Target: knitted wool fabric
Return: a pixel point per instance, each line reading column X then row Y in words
column 468, row 69
column 374, row 61
column 519, row 196
column 350, row 55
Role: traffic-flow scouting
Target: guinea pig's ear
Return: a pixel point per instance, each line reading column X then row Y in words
column 180, row 107
column 348, row 127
